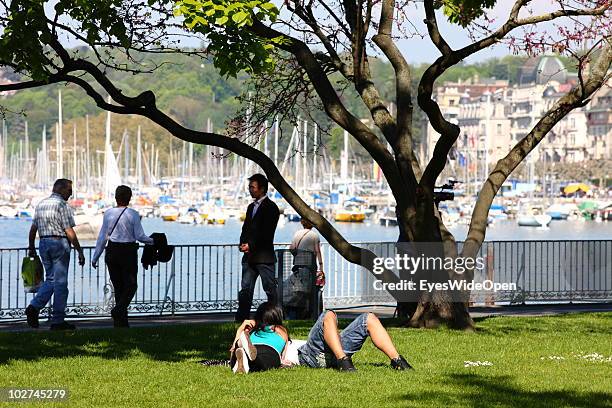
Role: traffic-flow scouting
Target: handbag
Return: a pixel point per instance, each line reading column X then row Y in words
column 31, row 273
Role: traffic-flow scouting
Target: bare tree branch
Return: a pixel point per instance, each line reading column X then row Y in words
column 577, row 97
column 432, row 28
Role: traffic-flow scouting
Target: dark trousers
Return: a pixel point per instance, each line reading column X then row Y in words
column 247, row 287
column 267, row 359
column 122, row 262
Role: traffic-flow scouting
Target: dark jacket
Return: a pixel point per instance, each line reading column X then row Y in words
column 258, row 232
column 159, row 251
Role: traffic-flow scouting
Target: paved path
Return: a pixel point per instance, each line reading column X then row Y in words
column 382, row 311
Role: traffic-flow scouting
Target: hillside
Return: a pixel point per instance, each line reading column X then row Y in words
column 191, row 91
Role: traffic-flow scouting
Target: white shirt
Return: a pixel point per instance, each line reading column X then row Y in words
column 128, row 229
column 256, row 205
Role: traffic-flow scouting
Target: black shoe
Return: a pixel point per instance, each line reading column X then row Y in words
column 346, row 364
column 400, row 363
column 63, row 326
column 32, row 316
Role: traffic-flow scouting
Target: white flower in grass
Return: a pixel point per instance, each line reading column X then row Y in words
column 477, row 363
column 593, row 357
column 556, row 358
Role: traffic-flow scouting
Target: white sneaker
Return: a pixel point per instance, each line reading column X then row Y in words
column 242, row 362
column 244, row 341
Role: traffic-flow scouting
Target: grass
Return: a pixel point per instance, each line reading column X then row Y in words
column 157, row 367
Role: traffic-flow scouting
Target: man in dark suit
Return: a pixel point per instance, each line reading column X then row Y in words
column 257, row 244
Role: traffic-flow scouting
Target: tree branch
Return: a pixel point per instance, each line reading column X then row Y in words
column 350, row 252
column 432, row 28
column 331, row 102
column 403, row 142
column 577, row 97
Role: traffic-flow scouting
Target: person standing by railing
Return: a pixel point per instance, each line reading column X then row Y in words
column 121, row 228
column 53, row 221
column 257, row 244
column 303, row 300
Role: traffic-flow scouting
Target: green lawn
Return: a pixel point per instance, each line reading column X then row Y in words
column 158, row 367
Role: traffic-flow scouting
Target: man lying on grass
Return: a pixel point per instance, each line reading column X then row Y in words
column 263, row 343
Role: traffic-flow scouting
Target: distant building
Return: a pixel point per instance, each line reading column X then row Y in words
column 493, row 117
column 599, row 124
column 544, row 69
column 466, row 103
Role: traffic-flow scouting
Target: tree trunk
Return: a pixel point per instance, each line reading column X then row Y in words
column 435, row 308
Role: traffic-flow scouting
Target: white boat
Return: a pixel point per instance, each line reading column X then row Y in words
column 528, row 220
column 8, row 212
column 88, row 226
column 388, row 220
column 191, row 217
column 561, row 211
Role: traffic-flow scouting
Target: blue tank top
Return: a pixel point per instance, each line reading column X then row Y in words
column 268, row 337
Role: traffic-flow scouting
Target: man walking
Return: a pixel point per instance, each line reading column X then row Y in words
column 257, row 244
column 53, row 221
column 121, row 228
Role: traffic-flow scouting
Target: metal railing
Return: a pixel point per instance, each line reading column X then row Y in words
column 206, row 278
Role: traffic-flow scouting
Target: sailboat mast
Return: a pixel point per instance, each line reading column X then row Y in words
column 87, row 159
column 305, row 156
column 276, row 141
column 60, row 138
column 74, row 160
column 138, row 160
column 45, row 163
column 315, row 147
column 107, row 152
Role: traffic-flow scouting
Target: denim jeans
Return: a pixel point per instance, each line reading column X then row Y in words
column 55, row 257
column 315, row 353
column 247, row 287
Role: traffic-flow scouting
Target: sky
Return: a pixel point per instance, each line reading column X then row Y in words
column 419, row 50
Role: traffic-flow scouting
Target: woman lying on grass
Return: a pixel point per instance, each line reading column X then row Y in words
column 262, row 344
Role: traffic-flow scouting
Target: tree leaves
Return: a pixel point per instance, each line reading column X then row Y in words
column 223, row 22
column 27, row 33
column 463, row 12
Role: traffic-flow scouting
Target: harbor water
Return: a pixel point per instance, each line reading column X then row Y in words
column 569, row 260
column 14, row 232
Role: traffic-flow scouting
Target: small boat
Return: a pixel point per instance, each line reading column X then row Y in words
column 191, row 217
column 8, row 212
column 498, row 211
column 291, row 215
column 388, row 221
column 169, row 213
column 561, row 211
column 540, row 220
column 26, row 213
column 88, row 226
column 350, row 216
column 216, row 217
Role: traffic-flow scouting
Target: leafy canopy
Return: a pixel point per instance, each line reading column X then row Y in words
column 463, row 12
column 223, row 22
column 25, row 36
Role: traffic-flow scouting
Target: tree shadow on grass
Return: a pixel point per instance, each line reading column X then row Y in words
column 500, row 391
column 170, row 343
